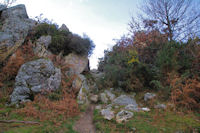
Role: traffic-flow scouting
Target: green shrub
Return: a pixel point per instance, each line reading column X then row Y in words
column 63, row 41
column 167, row 57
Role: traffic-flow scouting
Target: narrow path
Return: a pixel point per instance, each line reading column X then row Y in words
column 85, row 123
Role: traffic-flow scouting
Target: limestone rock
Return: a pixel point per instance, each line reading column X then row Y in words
column 64, row 28
column 103, row 98
column 41, row 46
column 2, row 7
column 123, row 116
column 96, row 74
column 76, row 63
column 94, row 98
column 110, row 95
column 149, row 96
column 82, row 96
column 132, row 107
column 15, row 27
column 124, row 100
column 145, row 109
column 98, row 107
column 84, row 90
column 107, row 114
column 35, row 77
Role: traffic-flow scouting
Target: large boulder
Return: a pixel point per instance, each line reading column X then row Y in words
column 15, row 28
column 35, row 77
column 41, row 46
column 125, row 100
column 76, row 63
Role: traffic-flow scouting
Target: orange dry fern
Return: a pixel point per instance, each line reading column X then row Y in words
column 186, row 93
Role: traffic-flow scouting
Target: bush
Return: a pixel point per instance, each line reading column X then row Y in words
column 186, row 93
column 63, row 41
column 123, row 69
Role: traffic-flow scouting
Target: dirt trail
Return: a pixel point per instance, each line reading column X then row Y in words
column 85, row 123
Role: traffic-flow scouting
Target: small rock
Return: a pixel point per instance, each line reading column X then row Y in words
column 149, row 96
column 107, row 114
column 123, row 116
column 134, row 129
column 116, row 107
column 111, row 89
column 160, row 106
column 145, row 109
column 103, row 97
column 94, row 98
column 110, row 95
column 98, row 107
column 132, row 107
column 109, row 106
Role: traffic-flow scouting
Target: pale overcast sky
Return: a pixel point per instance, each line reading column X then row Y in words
column 101, row 20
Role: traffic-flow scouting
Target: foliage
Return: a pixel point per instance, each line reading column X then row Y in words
column 8, row 3
column 64, row 41
column 178, row 20
column 149, row 122
column 186, row 93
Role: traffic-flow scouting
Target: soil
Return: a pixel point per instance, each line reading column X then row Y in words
column 85, row 123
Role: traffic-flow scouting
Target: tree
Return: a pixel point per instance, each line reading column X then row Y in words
column 177, row 19
column 7, row 3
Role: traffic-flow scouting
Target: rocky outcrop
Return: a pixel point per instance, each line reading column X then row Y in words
column 35, row 77
column 64, row 28
column 14, row 29
column 2, row 7
column 41, row 46
column 75, row 63
column 84, row 89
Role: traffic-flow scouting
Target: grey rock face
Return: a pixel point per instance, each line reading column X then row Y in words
column 94, row 98
column 149, row 96
column 96, row 74
column 64, row 28
column 35, row 77
column 84, row 90
column 16, row 11
column 76, row 63
column 14, row 30
column 107, row 114
column 41, row 46
column 124, row 100
column 103, row 98
column 123, row 116
column 2, row 7
column 110, row 95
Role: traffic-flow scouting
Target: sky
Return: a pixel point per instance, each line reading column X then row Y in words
column 101, row 20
